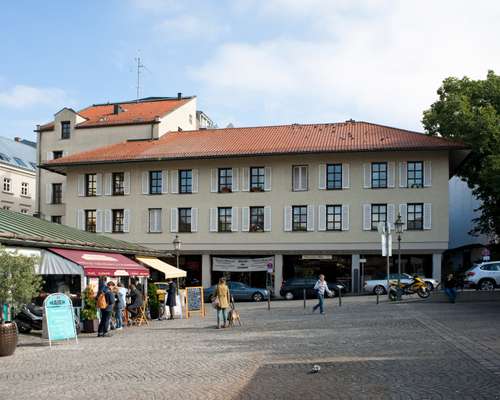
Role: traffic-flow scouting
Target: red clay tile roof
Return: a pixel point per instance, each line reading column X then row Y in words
column 140, row 112
column 265, row 140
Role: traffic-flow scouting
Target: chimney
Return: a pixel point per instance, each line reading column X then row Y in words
column 179, row 96
column 117, row 109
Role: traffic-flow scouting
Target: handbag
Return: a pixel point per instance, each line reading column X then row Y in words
column 215, row 302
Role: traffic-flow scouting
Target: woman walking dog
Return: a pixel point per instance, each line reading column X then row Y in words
column 221, row 301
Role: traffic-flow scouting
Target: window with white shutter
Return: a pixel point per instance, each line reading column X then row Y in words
column 267, row 219
column 321, row 218
column 98, row 184
column 126, row 220
column 234, row 220
column 80, row 219
column 427, row 174
column 245, row 219
column 245, row 179
column 214, row 180
column 174, row 220
column 236, row 179
column 174, row 181
column 287, row 219
column 427, row 216
column 194, row 220
column 367, row 176
column 367, row 217
column 310, row 218
column 403, row 176
column 402, row 213
column 345, row 217
column 108, row 221
column 391, row 211
column 155, row 220
column 99, row 226
column 48, row 193
column 346, row 176
column 195, row 174
column 107, row 184
column 145, row 182
column 267, row 179
column 81, row 185
column 322, row 176
column 213, row 220
column 126, row 183
column 299, row 178
column 164, row 181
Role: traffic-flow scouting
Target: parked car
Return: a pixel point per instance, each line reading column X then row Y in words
column 379, row 286
column 240, row 291
column 483, row 276
column 293, row 288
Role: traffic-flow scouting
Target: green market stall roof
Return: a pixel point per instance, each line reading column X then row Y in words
column 24, row 230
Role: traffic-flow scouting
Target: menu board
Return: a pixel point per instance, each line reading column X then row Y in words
column 58, row 312
column 194, row 300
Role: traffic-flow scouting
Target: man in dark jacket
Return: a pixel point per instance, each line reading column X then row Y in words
column 136, row 301
column 171, row 293
column 106, row 312
column 450, row 287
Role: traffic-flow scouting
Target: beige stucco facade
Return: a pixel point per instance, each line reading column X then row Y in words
column 17, row 189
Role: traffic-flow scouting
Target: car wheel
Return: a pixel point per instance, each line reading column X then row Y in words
column 257, row 296
column 430, row 286
column 487, row 284
column 379, row 290
column 289, row 295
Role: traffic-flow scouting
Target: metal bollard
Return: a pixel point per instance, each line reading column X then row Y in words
column 304, row 299
column 377, row 298
column 340, row 297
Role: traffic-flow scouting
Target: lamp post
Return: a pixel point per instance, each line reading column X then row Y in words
column 399, row 225
column 177, row 247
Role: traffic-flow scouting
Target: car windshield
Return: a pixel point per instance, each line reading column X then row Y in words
column 237, row 285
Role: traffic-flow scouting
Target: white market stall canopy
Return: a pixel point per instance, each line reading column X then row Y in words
column 170, row 271
column 49, row 263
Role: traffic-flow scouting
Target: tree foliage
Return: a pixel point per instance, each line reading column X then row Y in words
column 469, row 110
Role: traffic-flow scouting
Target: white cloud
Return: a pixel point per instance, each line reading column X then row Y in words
column 380, row 61
column 22, row 96
column 189, row 26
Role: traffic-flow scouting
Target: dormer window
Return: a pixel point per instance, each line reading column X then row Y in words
column 65, row 129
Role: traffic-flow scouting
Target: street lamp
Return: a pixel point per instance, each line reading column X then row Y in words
column 399, row 225
column 177, row 247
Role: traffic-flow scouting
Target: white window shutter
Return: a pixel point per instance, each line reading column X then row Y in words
column 98, row 184
column 245, row 219
column 321, row 218
column 245, row 179
column 267, row 219
column 108, row 182
column 63, row 192
column 234, row 219
column 174, row 181
column 126, row 220
column 391, row 211
column 427, row 216
column 155, row 224
column 50, row 155
column 427, row 173
column 194, row 220
column 403, row 213
column 367, row 176
column 346, row 176
column 147, row 221
column 267, row 179
column 391, row 174
column 174, row 219
column 236, row 180
column 287, row 219
column 322, row 176
column 213, row 220
column 367, row 217
column 164, row 181
column 403, row 174
column 81, row 185
column 303, row 178
column 213, row 180
column 145, row 182
column 345, row 217
column 108, row 221
column 126, row 183
column 48, row 193
column 65, row 153
column 99, row 217
column 310, row 218
column 295, row 178
column 80, row 219
column 195, row 179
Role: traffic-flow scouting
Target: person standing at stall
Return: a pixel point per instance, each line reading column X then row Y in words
column 222, row 299
column 105, row 302
column 171, row 294
column 119, row 306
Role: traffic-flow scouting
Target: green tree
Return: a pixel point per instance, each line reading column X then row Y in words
column 469, row 110
column 19, row 282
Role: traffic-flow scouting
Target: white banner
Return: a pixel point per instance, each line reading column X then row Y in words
column 241, row 264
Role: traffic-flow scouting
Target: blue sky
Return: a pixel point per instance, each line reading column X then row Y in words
column 249, row 62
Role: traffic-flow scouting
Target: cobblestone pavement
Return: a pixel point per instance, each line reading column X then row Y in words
column 416, row 350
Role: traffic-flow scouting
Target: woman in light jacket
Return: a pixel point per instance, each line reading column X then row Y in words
column 223, row 300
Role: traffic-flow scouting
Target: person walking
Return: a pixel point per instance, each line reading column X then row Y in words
column 171, row 294
column 321, row 287
column 106, row 302
column 119, row 305
column 450, row 287
column 222, row 298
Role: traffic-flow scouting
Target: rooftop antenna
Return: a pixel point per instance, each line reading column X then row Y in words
column 140, row 66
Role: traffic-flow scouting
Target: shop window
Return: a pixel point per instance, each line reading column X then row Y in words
column 90, row 185
column 57, row 219
column 415, row 217
column 184, row 220
column 118, row 221
column 225, row 180
column 7, row 185
column 299, row 221
column 379, row 175
column 65, row 129
column 379, row 214
column 185, row 181
column 299, row 178
column 334, row 218
column 155, row 182
column 415, row 174
column 334, row 176
column 57, row 193
column 118, row 183
column 224, row 219
column 155, row 220
column 25, row 189
column 57, row 154
column 90, row 220
column 257, row 179
column 256, row 219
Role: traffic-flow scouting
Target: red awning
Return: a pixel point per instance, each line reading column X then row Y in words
column 103, row 264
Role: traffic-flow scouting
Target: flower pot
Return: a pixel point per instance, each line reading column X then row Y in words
column 90, row 325
column 8, row 338
column 154, row 312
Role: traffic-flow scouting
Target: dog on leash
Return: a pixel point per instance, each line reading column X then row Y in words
column 233, row 317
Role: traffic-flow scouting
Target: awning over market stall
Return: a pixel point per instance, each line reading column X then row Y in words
column 48, row 263
column 170, row 271
column 103, row 264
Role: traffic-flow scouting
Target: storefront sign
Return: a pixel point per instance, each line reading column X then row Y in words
column 316, row 257
column 58, row 312
column 241, row 264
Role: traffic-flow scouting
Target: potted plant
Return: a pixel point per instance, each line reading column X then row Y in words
column 19, row 283
column 154, row 305
column 225, row 189
column 89, row 311
column 256, row 189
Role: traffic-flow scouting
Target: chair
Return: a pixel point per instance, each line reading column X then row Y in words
column 140, row 318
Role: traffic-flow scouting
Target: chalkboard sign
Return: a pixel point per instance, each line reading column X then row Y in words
column 194, row 300
column 60, row 317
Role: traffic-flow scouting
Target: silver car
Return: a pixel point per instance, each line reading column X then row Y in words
column 484, row 276
column 379, row 286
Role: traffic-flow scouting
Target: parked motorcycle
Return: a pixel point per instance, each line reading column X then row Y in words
column 418, row 286
column 31, row 318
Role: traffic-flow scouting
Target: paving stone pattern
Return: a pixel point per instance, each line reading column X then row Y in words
column 415, row 350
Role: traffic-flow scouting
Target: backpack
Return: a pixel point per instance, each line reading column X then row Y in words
column 101, row 301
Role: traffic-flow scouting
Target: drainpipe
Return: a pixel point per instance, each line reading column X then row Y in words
column 39, row 171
